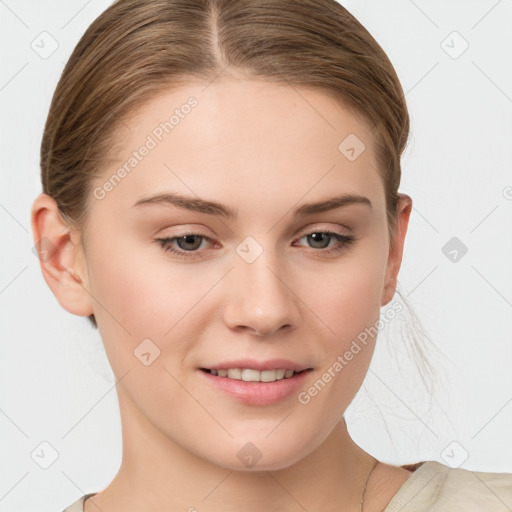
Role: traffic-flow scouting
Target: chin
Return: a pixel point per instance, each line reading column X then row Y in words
column 255, row 456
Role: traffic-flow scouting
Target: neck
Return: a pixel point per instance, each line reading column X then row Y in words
column 157, row 474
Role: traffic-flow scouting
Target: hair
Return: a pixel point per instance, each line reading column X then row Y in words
column 138, row 48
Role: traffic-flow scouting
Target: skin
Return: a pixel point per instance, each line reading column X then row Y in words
column 269, row 150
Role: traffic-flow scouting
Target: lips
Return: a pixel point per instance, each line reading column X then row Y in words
column 260, row 392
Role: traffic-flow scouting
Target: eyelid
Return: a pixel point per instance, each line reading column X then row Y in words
column 315, row 228
column 185, row 229
column 312, row 228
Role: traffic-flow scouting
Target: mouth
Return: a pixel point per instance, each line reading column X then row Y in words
column 268, row 386
column 251, row 375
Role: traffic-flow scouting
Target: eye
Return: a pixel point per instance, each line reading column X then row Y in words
column 322, row 238
column 188, row 243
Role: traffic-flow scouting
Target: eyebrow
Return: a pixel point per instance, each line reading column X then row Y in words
column 213, row 208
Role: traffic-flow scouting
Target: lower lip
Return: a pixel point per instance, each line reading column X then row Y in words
column 258, row 393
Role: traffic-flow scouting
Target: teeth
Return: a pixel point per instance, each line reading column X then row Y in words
column 235, row 373
column 249, row 375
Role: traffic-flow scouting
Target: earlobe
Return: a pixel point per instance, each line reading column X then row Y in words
column 396, row 249
column 60, row 256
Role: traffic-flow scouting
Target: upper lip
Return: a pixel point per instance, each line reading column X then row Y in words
column 269, row 364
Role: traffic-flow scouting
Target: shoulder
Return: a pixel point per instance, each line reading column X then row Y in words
column 435, row 486
column 78, row 505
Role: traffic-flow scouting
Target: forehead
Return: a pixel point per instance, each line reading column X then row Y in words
column 249, row 136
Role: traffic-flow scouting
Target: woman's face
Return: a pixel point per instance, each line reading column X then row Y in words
column 256, row 285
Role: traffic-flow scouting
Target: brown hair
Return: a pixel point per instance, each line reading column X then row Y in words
column 137, row 48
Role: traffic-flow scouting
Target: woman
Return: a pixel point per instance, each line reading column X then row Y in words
column 220, row 198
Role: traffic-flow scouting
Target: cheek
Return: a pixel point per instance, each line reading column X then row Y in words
column 125, row 290
column 349, row 304
column 141, row 294
column 348, row 297
column 136, row 289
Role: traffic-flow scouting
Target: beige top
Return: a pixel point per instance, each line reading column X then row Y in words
column 434, row 487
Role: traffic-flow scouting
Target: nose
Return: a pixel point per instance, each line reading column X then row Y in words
column 261, row 299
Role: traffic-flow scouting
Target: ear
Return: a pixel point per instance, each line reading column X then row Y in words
column 60, row 256
column 396, row 248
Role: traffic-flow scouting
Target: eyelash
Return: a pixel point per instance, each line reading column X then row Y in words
column 344, row 242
